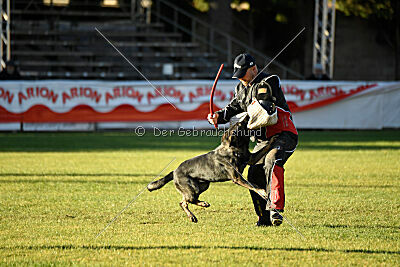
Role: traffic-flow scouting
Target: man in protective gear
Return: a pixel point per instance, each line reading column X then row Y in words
column 261, row 96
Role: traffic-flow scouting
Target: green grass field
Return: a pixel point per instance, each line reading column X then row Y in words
column 58, row 190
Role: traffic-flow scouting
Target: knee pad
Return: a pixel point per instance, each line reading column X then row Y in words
column 274, row 157
column 270, row 159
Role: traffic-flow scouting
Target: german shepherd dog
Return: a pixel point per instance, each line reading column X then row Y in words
column 226, row 162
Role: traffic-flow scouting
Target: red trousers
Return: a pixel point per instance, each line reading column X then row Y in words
column 277, row 194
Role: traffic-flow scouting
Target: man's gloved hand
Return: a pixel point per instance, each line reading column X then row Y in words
column 212, row 118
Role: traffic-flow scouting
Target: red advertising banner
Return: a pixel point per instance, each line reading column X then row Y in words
column 98, row 101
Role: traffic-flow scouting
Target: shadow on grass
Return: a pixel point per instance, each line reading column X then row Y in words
column 347, row 186
column 348, row 148
column 86, row 142
column 115, row 247
column 77, row 174
column 68, row 181
column 123, row 141
column 342, row 226
column 72, row 181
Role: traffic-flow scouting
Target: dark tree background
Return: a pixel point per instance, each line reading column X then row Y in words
column 269, row 24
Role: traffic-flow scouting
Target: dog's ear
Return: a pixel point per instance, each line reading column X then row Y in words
column 245, row 120
column 238, row 126
column 235, row 126
column 241, row 124
column 228, row 134
column 226, row 137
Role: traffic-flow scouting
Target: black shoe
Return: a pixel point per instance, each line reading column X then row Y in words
column 276, row 217
column 263, row 221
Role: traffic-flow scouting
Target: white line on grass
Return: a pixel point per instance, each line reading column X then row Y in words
column 133, row 200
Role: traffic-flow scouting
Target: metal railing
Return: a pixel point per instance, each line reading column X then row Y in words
column 159, row 10
column 141, row 9
column 4, row 33
column 324, row 35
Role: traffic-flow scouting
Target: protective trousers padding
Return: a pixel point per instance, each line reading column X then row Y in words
column 270, row 173
column 277, row 188
column 255, row 172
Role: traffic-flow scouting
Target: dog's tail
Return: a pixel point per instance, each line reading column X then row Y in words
column 161, row 182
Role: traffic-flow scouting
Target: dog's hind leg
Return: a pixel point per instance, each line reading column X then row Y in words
column 189, row 189
column 203, row 186
column 185, row 206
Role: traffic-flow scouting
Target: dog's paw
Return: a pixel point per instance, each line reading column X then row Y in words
column 203, row 204
column 151, row 187
column 193, row 219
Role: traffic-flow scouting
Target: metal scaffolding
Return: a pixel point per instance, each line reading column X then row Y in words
column 5, row 46
column 324, row 35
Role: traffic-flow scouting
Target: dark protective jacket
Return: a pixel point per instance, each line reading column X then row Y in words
column 243, row 97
